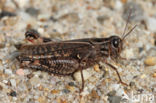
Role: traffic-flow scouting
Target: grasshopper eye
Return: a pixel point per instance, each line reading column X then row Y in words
column 115, row 43
column 32, row 33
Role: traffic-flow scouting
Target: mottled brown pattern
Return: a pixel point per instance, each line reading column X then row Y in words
column 67, row 57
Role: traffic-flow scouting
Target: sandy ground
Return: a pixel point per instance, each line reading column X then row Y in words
column 74, row 19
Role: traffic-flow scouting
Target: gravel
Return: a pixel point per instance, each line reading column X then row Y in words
column 73, row 19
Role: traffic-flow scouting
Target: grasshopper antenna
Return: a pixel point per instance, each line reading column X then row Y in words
column 125, row 35
column 128, row 32
column 127, row 23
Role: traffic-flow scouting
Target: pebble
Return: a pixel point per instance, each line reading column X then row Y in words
column 114, row 99
column 2, row 45
column 71, row 88
column 2, row 39
column 112, row 93
column 32, row 11
column 143, row 76
column 55, row 91
column 42, row 99
column 35, row 81
column 23, row 3
column 8, row 71
column 13, row 94
column 102, row 18
column 96, row 68
column 150, row 22
column 71, row 84
column 71, row 17
column 118, row 5
column 13, row 82
column 76, row 19
column 129, row 53
column 5, row 81
column 10, row 21
column 150, row 61
column 43, row 16
column 6, row 13
column 137, row 14
column 40, row 88
column 20, row 72
column 66, row 91
column 94, row 94
column 1, row 87
column 86, row 75
column 132, row 84
column 154, row 75
column 53, row 80
column 61, row 100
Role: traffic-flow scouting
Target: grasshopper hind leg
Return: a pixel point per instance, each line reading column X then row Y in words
column 120, row 80
column 82, row 79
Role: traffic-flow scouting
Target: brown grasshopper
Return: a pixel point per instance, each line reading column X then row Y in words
column 67, row 57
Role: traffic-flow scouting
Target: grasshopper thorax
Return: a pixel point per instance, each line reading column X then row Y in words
column 111, row 47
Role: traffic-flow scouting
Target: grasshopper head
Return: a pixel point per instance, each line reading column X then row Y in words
column 115, row 46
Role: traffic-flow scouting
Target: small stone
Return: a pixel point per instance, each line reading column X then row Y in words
column 55, row 91
column 20, row 72
column 71, row 84
column 30, row 75
column 13, row 94
column 96, row 68
column 140, row 49
column 71, row 17
column 10, row 21
column 22, row 3
column 6, row 13
column 86, row 75
column 52, row 80
column 2, row 45
column 123, row 1
column 60, row 100
column 46, row 89
column 14, row 98
column 143, row 76
column 102, row 18
column 53, row 19
column 150, row 22
column 36, row 97
column 154, row 75
column 71, row 88
column 2, row 39
column 150, row 61
column 137, row 12
column 8, row 71
column 5, row 81
column 42, row 99
column 1, row 87
column 13, row 82
column 95, row 95
column 40, row 30
column 35, row 81
column 114, row 99
column 43, row 16
column 132, row 84
column 66, row 91
column 118, row 5
column 40, row 87
column 129, row 53
column 32, row 11
column 112, row 93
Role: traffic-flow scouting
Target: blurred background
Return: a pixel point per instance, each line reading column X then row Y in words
column 73, row 19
